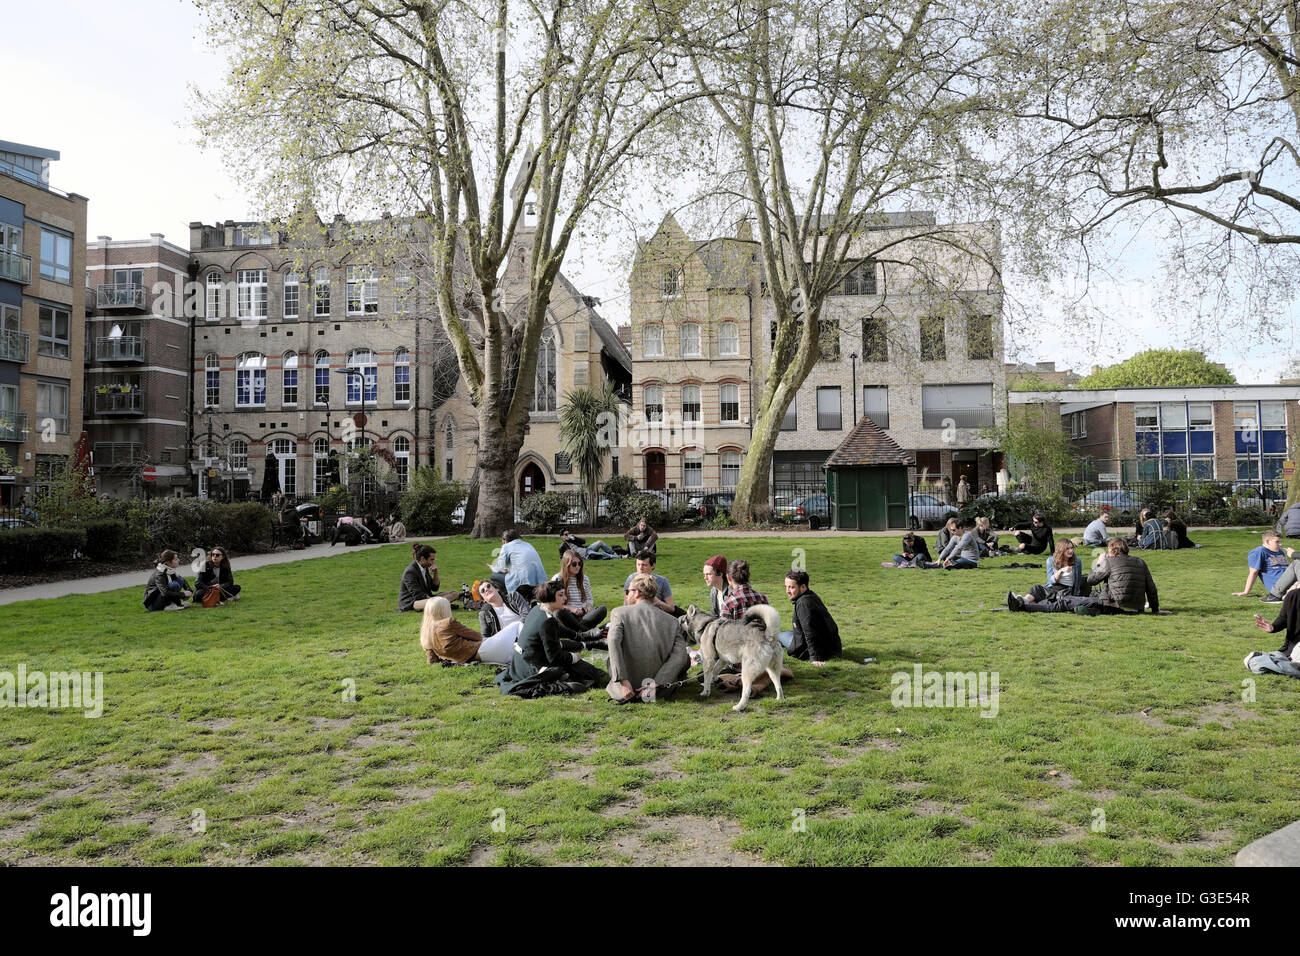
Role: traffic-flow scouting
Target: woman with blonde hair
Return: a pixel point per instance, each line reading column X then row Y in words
column 945, row 534
column 986, row 536
column 580, row 612
column 445, row 638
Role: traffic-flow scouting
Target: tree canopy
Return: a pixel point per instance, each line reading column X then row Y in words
column 1159, row 367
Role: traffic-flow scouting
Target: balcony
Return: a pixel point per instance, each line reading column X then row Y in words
column 13, row 346
column 15, row 267
column 118, row 402
column 119, row 348
column 957, row 417
column 13, row 426
column 118, row 455
column 129, row 298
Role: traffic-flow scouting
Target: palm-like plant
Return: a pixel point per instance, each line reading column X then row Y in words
column 588, row 420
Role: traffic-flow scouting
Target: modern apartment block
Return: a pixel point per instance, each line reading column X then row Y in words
column 138, row 366
column 1233, row 433
column 317, row 338
column 42, row 319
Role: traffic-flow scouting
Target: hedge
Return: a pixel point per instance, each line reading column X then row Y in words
column 27, row 550
column 104, row 538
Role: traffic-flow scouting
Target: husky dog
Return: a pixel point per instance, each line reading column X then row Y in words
column 750, row 642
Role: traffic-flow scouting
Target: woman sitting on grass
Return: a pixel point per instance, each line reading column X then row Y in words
column 986, row 536
column 445, row 638
column 580, row 613
column 216, row 573
column 1064, row 575
column 167, row 590
column 915, row 554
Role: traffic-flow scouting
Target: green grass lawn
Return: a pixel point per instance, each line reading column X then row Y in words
column 239, row 714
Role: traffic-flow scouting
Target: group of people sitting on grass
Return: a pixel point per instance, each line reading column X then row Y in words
column 1123, row 582
column 961, row 544
column 537, row 627
column 168, row 591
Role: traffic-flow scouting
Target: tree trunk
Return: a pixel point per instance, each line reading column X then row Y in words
column 498, row 451
column 753, row 491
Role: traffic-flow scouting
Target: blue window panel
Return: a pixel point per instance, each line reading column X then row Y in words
column 1274, row 442
column 1272, row 469
column 1202, row 443
column 1247, row 446
column 1148, row 443
column 1175, row 443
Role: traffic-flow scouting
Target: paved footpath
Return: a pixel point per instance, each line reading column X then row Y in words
column 112, row 582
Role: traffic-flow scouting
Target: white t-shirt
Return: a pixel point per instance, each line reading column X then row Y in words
column 506, row 614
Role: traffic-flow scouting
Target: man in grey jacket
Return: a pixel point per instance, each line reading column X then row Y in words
column 647, row 650
column 963, row 550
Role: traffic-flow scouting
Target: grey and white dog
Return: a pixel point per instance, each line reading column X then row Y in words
column 750, row 642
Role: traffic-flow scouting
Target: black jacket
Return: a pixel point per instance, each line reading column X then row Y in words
column 1041, row 540
column 541, row 659
column 416, row 586
column 210, row 576
column 489, row 623
column 1128, row 583
column 816, row 635
column 919, row 548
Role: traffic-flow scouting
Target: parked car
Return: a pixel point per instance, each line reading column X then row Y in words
column 783, row 506
column 707, row 507
column 925, row 510
column 815, row 509
column 1245, row 496
column 15, row 523
column 1119, row 502
column 458, row 513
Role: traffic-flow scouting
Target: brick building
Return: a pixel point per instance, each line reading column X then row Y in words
column 42, row 318
column 1224, row 432
column 138, row 361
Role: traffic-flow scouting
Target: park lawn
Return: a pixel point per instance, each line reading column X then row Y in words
column 226, row 737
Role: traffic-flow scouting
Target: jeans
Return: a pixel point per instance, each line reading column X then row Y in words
column 600, row 551
column 1067, row 603
column 1284, row 583
column 785, row 637
column 584, row 622
column 962, row 563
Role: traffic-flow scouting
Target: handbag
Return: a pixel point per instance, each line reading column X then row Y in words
column 212, row 597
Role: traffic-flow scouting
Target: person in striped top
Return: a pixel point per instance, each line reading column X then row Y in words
column 580, row 611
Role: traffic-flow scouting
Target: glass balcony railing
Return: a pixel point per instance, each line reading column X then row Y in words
column 119, row 348
column 119, row 297
column 15, row 267
column 13, row 425
column 118, row 453
column 13, row 346
column 116, row 402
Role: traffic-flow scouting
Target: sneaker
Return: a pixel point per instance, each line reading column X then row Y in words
column 1088, row 610
column 888, row 564
column 1014, row 603
column 175, row 607
column 1270, row 599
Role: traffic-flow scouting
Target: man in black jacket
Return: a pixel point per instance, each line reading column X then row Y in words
column 419, row 580
column 816, row 637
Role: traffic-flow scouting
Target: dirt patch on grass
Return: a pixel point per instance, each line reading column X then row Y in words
column 684, row 841
column 189, row 766
column 330, row 723
column 215, row 723
column 1224, row 714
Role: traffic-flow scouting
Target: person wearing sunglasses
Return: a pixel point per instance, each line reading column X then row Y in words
column 216, row 573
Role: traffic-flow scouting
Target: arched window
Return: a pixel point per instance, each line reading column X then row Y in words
column 729, row 412
column 730, row 468
column 654, row 403
column 252, row 293
column 691, row 403
column 690, row 342
column 363, row 290
column 211, row 380
column 237, row 453
column 401, row 376
column 214, row 297
column 363, row 361
column 652, row 341
column 320, row 451
column 544, row 395
column 728, row 339
column 322, row 378
column 250, row 380
column 402, row 455
column 290, row 365
column 286, row 454
column 321, row 290
column 448, row 440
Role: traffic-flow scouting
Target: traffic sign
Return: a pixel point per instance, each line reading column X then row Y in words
column 149, row 473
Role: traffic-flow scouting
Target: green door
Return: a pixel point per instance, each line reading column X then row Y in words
column 847, row 513
column 896, row 495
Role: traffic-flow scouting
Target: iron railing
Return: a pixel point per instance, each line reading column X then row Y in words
column 119, row 296
column 13, row 426
column 115, row 402
column 120, row 348
column 118, row 454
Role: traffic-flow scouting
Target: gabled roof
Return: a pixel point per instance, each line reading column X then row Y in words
column 728, row 262
column 868, row 445
column 608, row 338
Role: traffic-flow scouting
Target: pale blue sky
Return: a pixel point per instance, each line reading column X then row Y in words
column 106, row 85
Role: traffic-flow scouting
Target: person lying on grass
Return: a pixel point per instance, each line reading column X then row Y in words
column 1127, row 587
column 1287, row 620
column 648, row 659
column 446, row 639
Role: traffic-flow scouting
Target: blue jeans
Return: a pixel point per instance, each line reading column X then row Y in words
column 785, row 637
column 961, row 563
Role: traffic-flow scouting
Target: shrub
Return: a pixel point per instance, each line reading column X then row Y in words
column 244, row 528
column 1246, row 516
column 678, row 513
column 1006, row 511
column 428, row 502
column 617, row 490
column 183, row 524
column 104, row 538
column 25, row 550
column 721, row 521
column 634, row 507
column 544, row 512
column 336, row 499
